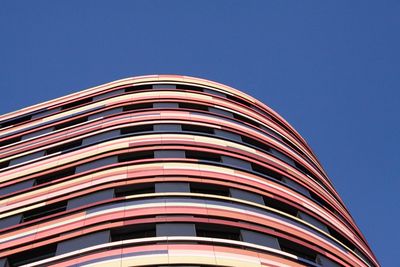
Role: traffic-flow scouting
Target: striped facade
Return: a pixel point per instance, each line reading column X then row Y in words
column 166, row 170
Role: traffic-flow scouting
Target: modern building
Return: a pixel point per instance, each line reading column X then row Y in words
column 166, row 170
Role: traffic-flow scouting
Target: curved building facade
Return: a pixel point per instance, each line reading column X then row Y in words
column 166, row 170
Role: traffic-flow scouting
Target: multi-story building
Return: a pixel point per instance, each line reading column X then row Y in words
column 166, row 171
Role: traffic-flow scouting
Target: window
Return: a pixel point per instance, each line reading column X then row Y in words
column 214, row 92
column 197, row 128
column 132, row 232
column 282, row 157
column 304, row 170
column 236, row 163
column 271, row 132
column 359, row 253
column 63, row 147
column 168, row 187
column 55, row 176
column 44, row 211
column 167, row 127
column 165, row 105
column 279, row 205
column 104, row 136
column 32, row 255
column 259, row 110
column 98, row 163
column 134, row 189
column 287, row 142
column 239, row 100
column 13, row 188
column 244, row 119
column 246, row 195
column 280, row 124
column 36, row 133
column 4, row 164
column 137, row 106
column 169, row 153
column 76, row 103
column 296, row 249
column 16, row 121
column 10, row 141
column 202, row 156
column 193, row 106
column 296, row 186
column 137, row 129
column 256, row 143
column 82, row 241
column 105, row 113
column 321, row 201
column 23, row 159
column 341, row 238
column 111, row 93
column 189, row 87
column 217, row 231
column 220, row 112
column 164, row 86
column 70, row 123
column 311, row 220
column 136, row 156
column 45, row 112
column 211, row 189
column 266, row 171
column 228, row 135
column 138, row 87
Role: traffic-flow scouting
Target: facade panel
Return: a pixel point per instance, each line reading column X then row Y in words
column 166, row 170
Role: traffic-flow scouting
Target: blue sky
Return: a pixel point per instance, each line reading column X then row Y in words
column 331, row 68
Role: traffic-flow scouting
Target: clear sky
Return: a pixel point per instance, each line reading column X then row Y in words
column 331, row 68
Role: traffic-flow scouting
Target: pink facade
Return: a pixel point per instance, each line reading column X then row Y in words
column 166, row 170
